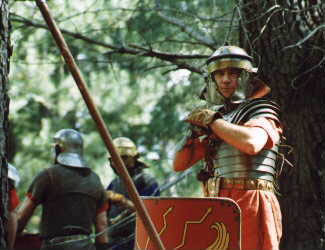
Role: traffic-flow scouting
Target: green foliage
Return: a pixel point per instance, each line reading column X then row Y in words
column 139, row 96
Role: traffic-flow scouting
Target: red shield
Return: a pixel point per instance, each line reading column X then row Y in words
column 191, row 223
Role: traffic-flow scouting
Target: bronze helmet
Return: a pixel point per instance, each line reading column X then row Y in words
column 230, row 57
column 126, row 147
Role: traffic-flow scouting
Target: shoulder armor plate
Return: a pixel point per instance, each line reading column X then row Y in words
column 253, row 109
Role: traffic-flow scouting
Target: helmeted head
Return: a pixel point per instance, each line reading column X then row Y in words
column 69, row 148
column 128, row 152
column 232, row 62
column 13, row 174
column 125, row 146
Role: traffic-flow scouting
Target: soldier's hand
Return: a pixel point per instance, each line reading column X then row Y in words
column 114, row 197
column 202, row 117
column 120, row 199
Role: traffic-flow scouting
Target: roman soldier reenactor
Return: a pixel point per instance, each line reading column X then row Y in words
column 238, row 134
column 72, row 197
column 121, row 235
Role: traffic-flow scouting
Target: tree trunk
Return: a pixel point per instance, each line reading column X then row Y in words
column 296, row 75
column 5, row 51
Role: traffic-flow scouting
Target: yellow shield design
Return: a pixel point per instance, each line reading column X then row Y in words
column 191, row 223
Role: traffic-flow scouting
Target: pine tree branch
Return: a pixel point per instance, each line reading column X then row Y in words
column 131, row 49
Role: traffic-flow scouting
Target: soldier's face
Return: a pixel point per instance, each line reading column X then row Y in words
column 128, row 161
column 227, row 81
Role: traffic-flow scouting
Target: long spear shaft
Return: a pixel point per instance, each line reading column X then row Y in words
column 74, row 70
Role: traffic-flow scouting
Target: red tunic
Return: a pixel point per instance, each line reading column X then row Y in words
column 261, row 218
column 261, row 214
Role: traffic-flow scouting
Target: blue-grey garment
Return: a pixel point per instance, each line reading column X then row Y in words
column 121, row 237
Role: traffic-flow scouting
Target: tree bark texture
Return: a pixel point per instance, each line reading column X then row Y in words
column 5, row 51
column 288, row 39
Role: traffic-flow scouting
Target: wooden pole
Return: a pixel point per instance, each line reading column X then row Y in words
column 74, row 70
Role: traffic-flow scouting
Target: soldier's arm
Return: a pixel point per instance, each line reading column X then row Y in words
column 249, row 140
column 12, row 219
column 194, row 143
column 35, row 195
column 270, row 126
column 192, row 152
column 250, row 137
column 12, row 229
column 120, row 200
column 101, row 225
column 24, row 212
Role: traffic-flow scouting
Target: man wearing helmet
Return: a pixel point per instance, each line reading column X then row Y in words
column 122, row 233
column 72, row 197
column 238, row 138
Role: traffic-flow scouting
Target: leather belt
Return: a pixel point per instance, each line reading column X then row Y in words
column 67, row 238
column 246, row 184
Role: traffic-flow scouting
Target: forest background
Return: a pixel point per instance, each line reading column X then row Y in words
column 143, row 62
